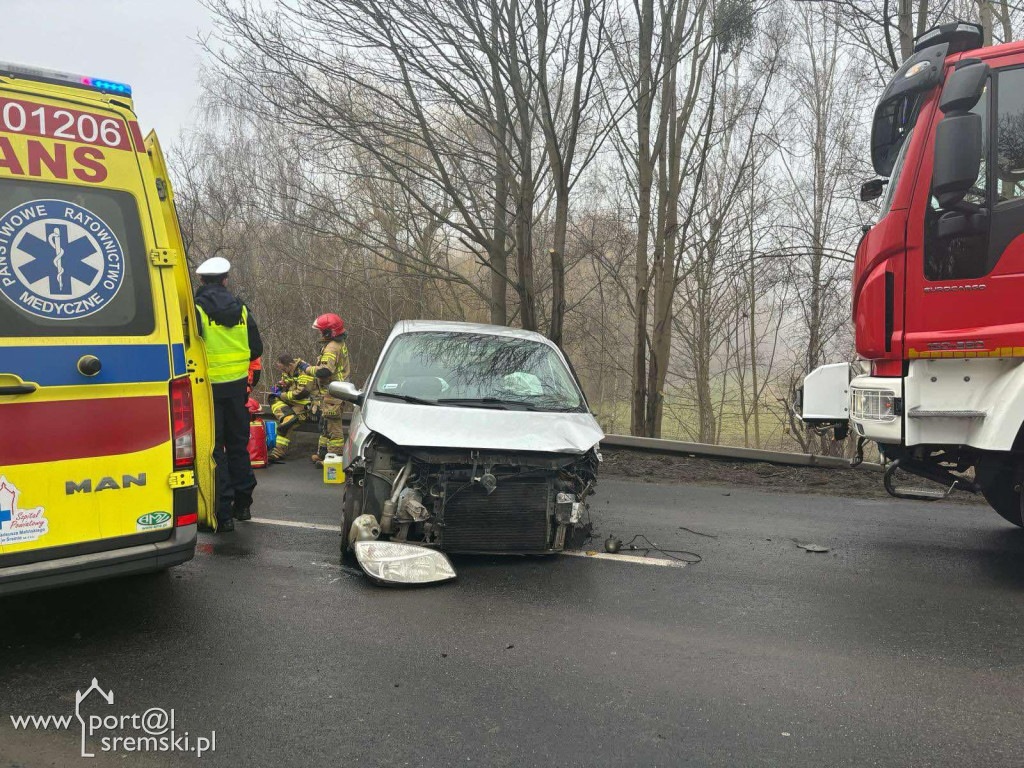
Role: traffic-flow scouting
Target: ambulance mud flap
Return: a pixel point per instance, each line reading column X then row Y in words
column 186, row 506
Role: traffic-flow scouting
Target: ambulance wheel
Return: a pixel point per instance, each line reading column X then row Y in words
column 1000, row 479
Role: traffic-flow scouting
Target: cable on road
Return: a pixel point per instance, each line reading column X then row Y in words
column 669, row 553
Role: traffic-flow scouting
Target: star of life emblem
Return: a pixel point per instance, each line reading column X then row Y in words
column 58, row 260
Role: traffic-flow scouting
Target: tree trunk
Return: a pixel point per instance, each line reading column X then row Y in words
column 985, row 18
column 645, row 177
column 502, row 172
column 905, row 24
column 1004, row 18
column 557, row 254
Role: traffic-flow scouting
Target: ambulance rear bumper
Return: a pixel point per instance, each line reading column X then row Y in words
column 76, row 569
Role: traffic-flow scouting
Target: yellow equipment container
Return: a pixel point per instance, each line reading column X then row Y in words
column 333, row 472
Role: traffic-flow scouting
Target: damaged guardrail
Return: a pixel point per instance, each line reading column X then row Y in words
column 679, row 448
column 704, row 450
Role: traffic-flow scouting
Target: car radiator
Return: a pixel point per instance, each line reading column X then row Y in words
column 513, row 518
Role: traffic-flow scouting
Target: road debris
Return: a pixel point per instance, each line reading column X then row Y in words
column 812, row 547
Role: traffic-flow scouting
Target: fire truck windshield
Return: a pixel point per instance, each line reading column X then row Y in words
column 892, row 125
column 894, row 179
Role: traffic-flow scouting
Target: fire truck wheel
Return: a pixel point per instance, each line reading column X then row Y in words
column 1000, row 480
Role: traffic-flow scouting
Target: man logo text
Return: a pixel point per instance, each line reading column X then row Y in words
column 104, row 484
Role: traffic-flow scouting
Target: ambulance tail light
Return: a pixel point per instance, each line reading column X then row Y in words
column 182, row 420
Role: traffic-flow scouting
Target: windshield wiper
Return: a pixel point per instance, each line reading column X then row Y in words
column 487, row 402
column 405, row 398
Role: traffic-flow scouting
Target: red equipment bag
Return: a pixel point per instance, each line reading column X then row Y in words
column 257, row 443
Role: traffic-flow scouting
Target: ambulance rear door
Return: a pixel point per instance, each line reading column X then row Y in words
column 181, row 307
column 86, row 360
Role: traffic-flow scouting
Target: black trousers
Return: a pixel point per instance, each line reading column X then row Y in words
column 235, row 478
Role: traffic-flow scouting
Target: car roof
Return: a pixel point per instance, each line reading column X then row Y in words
column 448, row 326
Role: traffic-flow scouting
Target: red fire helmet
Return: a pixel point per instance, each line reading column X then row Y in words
column 330, row 326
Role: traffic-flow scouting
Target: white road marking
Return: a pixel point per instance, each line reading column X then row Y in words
column 296, row 524
column 662, row 562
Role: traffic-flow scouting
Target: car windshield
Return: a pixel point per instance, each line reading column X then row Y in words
column 477, row 370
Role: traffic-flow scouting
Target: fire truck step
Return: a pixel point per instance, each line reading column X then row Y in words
column 919, row 494
column 920, row 413
column 946, row 481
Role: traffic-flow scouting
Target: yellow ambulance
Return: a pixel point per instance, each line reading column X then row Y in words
column 106, row 416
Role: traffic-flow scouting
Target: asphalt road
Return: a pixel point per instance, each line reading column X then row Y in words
column 900, row 646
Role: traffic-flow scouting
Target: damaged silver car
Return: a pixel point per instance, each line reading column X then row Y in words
column 471, row 439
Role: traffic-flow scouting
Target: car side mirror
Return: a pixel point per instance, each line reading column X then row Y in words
column 346, row 390
column 871, row 190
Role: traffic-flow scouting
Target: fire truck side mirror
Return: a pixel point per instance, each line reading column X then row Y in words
column 871, row 190
column 958, row 136
column 957, row 158
column 964, row 87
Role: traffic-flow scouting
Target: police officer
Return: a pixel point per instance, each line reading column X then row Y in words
column 331, row 365
column 232, row 342
column 291, row 407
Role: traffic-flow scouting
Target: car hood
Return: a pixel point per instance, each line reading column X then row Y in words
column 435, row 426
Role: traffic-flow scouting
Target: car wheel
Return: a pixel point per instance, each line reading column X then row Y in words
column 350, row 509
column 999, row 478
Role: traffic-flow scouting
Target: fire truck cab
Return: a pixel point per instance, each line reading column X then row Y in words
column 938, row 284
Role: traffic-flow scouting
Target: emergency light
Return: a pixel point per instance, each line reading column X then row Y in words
column 64, row 78
column 959, row 35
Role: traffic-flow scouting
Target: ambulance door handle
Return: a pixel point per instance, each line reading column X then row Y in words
column 18, row 389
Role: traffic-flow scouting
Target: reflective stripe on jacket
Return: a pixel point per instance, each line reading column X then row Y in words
column 227, row 348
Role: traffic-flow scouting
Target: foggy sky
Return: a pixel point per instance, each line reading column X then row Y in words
column 149, row 44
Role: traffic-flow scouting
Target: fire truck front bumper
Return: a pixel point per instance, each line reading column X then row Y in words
column 872, row 405
column 876, row 408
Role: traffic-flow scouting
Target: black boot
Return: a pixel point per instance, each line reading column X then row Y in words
column 243, row 514
column 225, row 526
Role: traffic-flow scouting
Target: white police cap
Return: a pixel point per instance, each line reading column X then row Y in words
column 218, row 265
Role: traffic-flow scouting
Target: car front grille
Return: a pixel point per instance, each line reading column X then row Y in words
column 514, row 518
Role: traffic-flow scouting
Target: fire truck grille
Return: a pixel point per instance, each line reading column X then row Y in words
column 514, row 518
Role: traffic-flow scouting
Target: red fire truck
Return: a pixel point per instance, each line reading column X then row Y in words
column 938, row 285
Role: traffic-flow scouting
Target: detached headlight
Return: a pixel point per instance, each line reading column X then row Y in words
column 873, row 404
column 390, row 562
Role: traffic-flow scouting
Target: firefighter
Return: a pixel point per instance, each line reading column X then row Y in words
column 331, row 365
column 292, row 406
column 232, row 342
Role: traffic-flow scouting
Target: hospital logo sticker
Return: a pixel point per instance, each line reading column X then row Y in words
column 58, row 260
column 19, row 524
column 152, row 520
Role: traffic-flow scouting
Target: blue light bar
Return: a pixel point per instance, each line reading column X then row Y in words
column 107, row 86
column 64, row 78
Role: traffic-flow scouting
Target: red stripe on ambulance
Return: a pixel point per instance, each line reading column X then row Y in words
column 32, row 119
column 70, row 429
column 140, row 143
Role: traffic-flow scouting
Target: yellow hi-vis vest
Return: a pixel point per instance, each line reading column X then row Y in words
column 227, row 348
